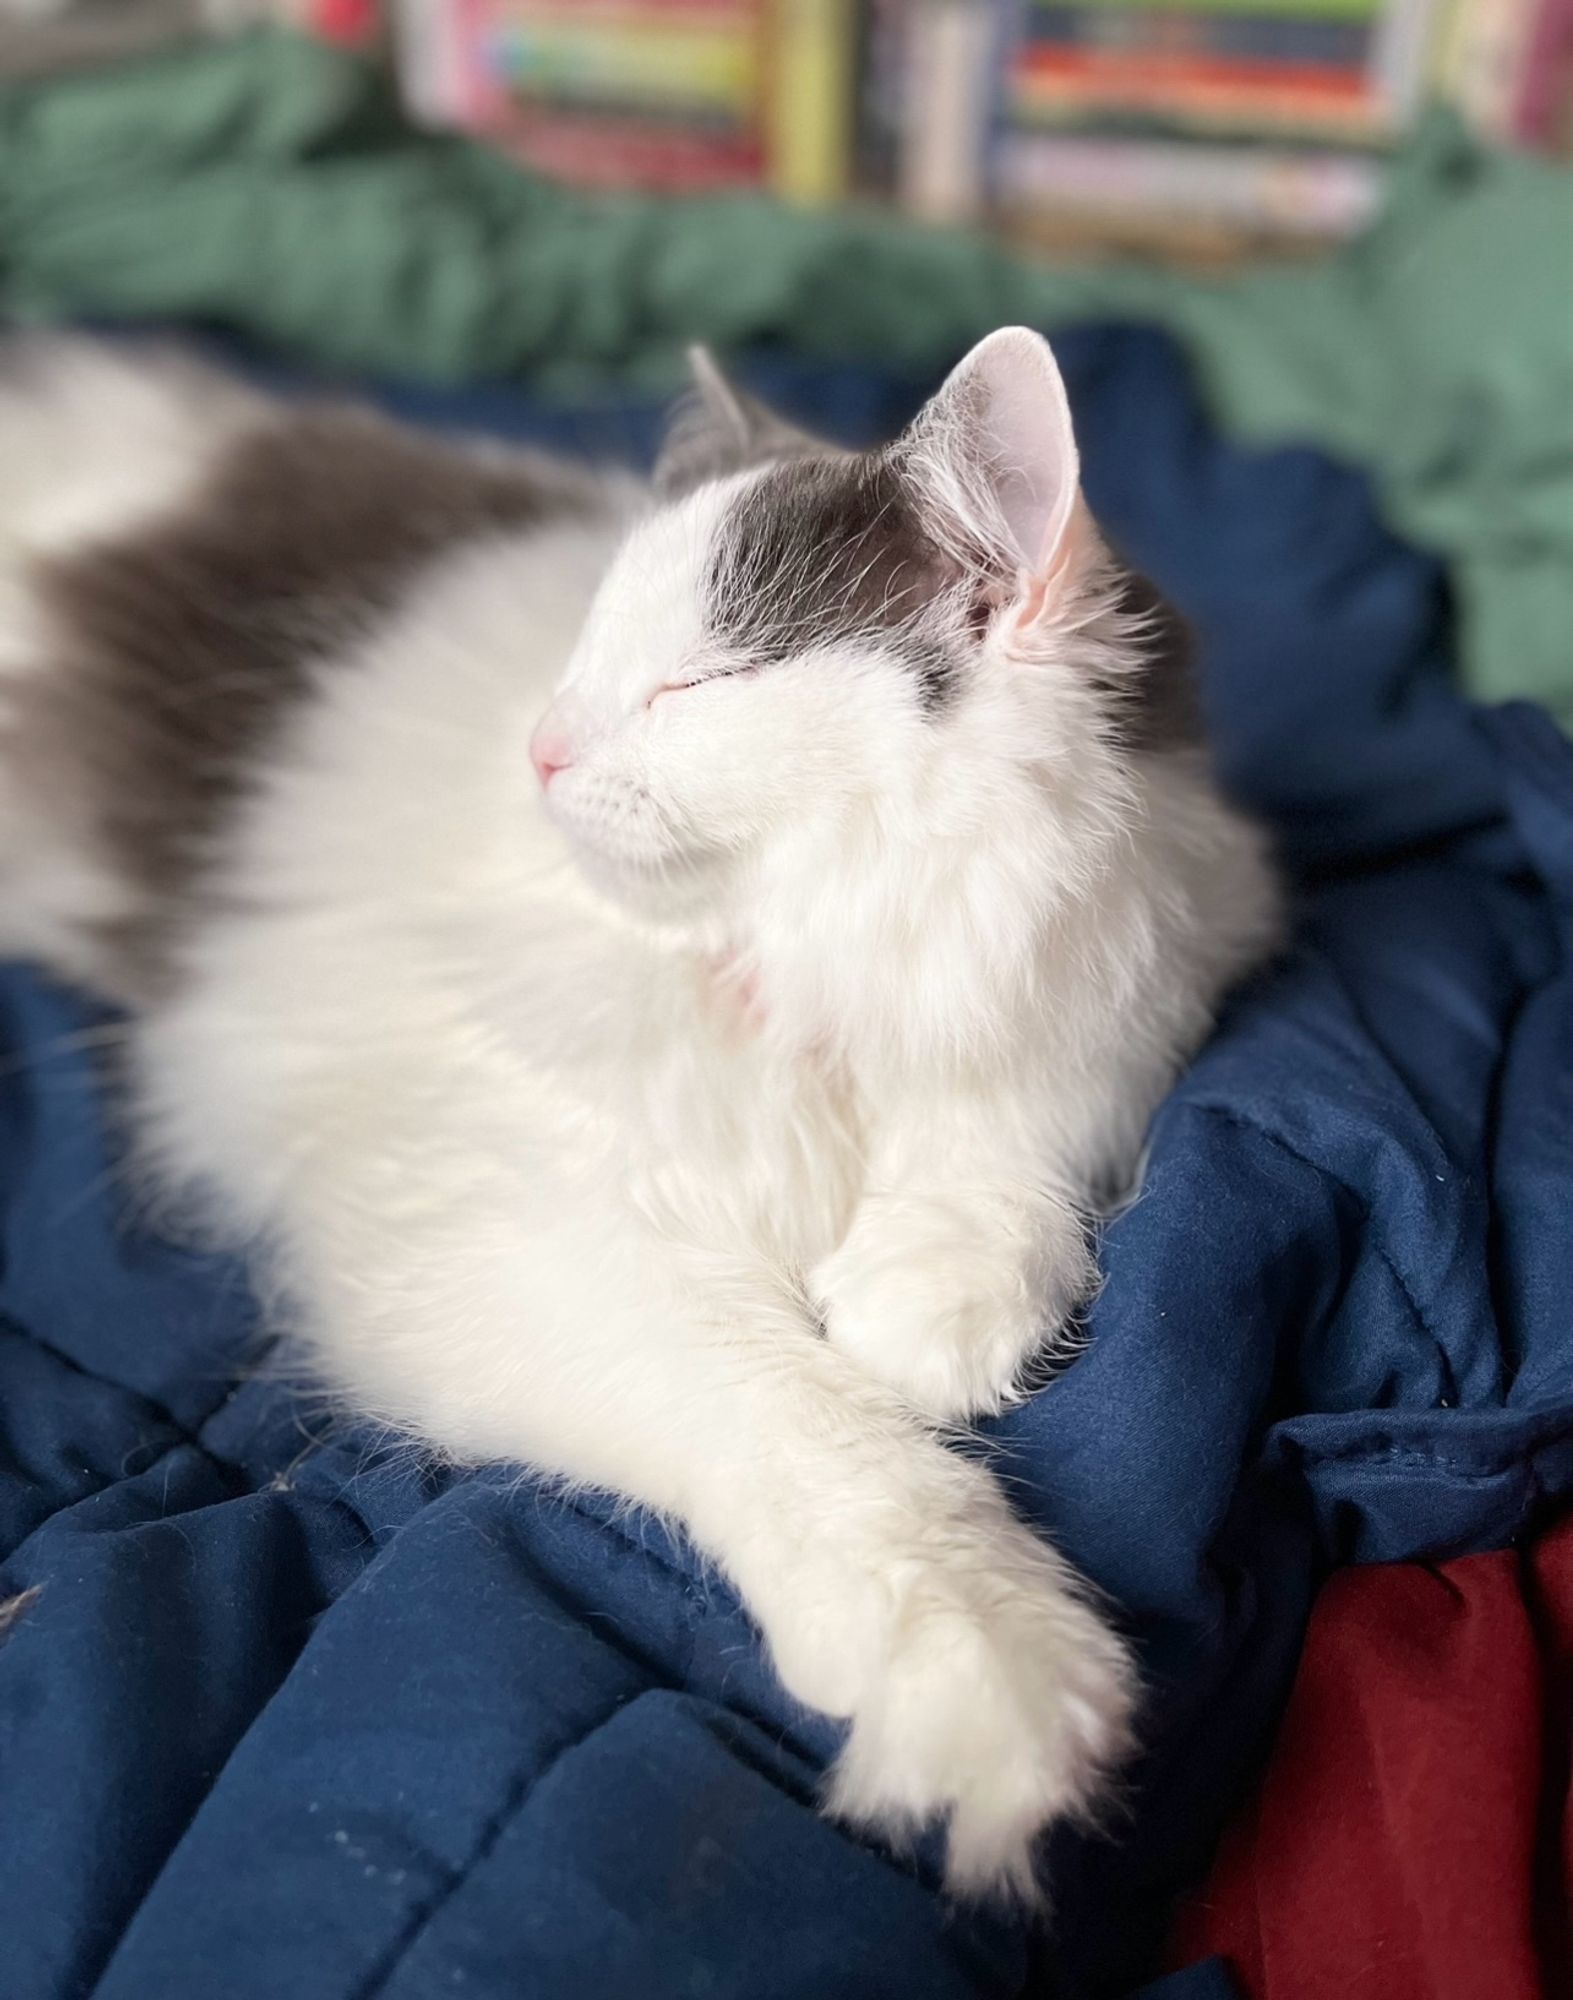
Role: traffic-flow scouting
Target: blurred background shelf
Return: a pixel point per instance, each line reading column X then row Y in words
column 1190, row 131
column 38, row 36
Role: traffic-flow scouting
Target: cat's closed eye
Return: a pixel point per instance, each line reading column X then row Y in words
column 738, row 672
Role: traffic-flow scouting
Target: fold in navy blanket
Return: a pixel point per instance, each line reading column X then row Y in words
column 283, row 1715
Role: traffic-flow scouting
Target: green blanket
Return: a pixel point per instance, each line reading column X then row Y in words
column 271, row 185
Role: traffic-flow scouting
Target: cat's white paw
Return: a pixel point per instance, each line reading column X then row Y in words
column 1001, row 1706
column 947, row 1315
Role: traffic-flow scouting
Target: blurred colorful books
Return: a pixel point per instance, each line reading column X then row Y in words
column 1231, row 114
column 674, row 94
column 1262, row 117
column 1273, row 115
column 1174, row 124
column 40, row 36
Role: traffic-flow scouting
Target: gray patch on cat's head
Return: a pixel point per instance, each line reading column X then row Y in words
column 825, row 550
column 827, row 546
column 718, row 430
column 829, row 550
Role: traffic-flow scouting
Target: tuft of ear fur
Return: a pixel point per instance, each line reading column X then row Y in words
column 993, row 456
column 718, row 430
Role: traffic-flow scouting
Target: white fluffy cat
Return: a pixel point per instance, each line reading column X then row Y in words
column 709, row 1112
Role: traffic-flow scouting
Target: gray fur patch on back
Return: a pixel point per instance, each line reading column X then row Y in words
column 824, row 549
column 174, row 650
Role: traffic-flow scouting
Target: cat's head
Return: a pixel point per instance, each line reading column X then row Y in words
column 803, row 648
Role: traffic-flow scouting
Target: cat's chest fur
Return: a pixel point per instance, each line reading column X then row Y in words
column 661, row 1076
column 780, row 1125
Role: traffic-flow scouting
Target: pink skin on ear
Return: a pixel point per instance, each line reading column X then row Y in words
column 999, row 451
column 1034, row 593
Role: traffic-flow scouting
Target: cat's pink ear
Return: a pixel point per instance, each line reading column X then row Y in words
column 994, row 455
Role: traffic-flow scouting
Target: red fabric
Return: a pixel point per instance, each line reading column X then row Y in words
column 1413, row 1837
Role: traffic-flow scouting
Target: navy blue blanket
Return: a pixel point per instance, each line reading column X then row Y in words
column 284, row 1716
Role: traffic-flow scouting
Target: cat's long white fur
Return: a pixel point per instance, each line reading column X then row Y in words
column 568, row 1135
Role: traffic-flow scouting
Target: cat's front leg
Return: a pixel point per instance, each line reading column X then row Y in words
column 947, row 1296
column 982, row 1686
column 960, row 1265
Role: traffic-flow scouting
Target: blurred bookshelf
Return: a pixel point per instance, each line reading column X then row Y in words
column 1194, row 130
column 37, row 36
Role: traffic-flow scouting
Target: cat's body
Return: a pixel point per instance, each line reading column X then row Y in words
column 705, row 1119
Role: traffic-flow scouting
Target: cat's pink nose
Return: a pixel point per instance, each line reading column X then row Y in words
column 549, row 753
